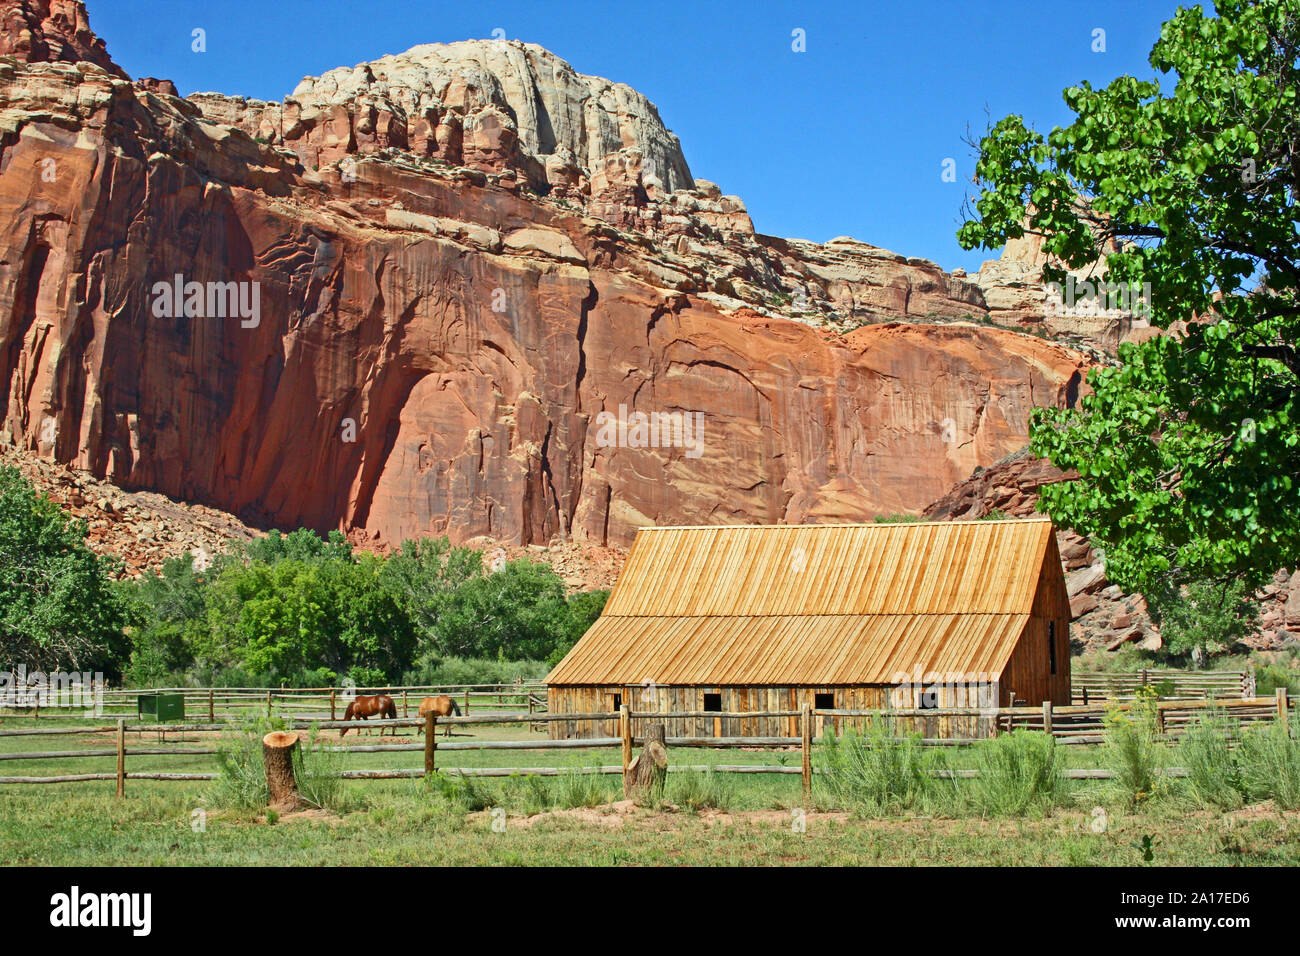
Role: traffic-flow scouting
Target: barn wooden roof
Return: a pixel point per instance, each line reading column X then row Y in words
column 815, row 604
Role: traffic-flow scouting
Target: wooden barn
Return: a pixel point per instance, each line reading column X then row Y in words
column 913, row 617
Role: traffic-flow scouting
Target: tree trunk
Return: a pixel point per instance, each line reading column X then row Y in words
column 644, row 782
column 277, row 754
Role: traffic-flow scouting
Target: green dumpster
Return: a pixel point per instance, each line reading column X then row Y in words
column 161, row 707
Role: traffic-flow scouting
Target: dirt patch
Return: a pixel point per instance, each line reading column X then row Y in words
column 775, row 818
column 585, row 816
column 309, row 815
column 1260, row 811
column 623, row 813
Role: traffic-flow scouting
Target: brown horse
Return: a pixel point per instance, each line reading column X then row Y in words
column 379, row 705
column 441, row 706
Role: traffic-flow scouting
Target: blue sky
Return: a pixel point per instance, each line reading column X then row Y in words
column 847, row 138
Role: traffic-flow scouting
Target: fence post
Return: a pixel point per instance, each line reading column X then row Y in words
column 1160, row 717
column 805, row 733
column 466, row 701
column 1047, row 717
column 1282, row 707
column 406, row 709
column 332, row 717
column 625, row 731
column 430, row 742
column 121, row 757
column 212, row 706
column 268, row 703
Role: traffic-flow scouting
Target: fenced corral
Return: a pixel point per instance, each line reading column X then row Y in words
column 234, row 703
column 1089, row 687
column 1072, row 725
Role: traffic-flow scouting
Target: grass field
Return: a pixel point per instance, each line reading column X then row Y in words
column 745, row 820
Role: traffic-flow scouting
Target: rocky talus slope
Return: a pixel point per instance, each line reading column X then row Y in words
column 456, row 265
column 140, row 528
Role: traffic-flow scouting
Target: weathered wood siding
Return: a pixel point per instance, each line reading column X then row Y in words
column 1029, row 676
column 662, row 699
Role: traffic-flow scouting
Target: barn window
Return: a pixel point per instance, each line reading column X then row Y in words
column 928, row 698
column 618, row 701
column 713, row 703
column 1051, row 645
column 824, row 701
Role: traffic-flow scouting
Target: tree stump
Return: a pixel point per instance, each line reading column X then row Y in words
column 644, row 782
column 278, row 749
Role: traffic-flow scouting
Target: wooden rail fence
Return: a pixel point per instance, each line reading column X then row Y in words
column 1088, row 688
column 229, row 702
column 1069, row 725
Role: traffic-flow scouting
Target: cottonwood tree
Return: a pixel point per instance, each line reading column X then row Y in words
column 1187, row 450
column 58, row 609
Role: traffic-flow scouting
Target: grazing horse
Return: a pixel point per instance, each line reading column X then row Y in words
column 380, row 705
column 441, row 706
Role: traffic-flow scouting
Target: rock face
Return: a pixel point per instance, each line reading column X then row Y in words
column 38, row 31
column 1013, row 290
column 405, row 342
column 1104, row 617
column 490, row 104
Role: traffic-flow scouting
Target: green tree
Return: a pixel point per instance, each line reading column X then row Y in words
column 424, row 574
column 584, row 608
column 1202, row 618
column 1187, row 451
column 271, row 619
column 58, row 609
column 518, row 612
column 166, row 613
column 295, row 616
column 374, row 630
column 301, row 545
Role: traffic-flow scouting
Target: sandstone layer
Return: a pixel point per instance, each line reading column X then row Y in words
column 460, row 258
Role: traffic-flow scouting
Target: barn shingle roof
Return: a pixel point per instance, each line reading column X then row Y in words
column 815, row 604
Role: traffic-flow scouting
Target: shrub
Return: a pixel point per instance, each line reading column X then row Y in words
column 242, row 780
column 1018, row 771
column 436, row 670
column 318, row 773
column 1213, row 775
column 897, row 518
column 538, row 795
column 469, row 794
column 875, row 771
column 242, row 783
column 1271, row 675
column 1131, row 750
column 581, row 789
column 696, row 790
column 1270, row 765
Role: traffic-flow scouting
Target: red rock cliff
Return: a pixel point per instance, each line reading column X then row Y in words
column 460, row 260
